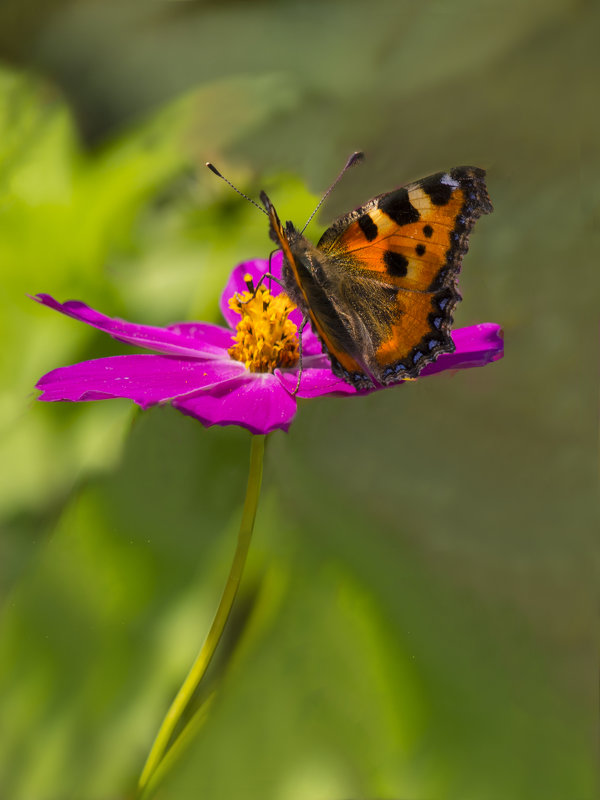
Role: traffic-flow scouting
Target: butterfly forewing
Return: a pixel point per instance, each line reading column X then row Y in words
column 412, row 239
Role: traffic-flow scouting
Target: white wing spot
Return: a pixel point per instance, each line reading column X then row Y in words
column 449, row 181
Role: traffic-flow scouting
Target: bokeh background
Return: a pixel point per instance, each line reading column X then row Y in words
column 416, row 619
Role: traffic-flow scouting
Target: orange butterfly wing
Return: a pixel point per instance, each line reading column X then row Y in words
column 410, row 242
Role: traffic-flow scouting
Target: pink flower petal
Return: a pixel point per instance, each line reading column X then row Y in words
column 311, row 344
column 258, row 402
column 476, row 346
column 205, row 333
column 317, row 379
column 146, row 379
column 164, row 340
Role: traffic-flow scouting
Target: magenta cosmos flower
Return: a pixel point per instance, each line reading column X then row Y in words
column 244, row 374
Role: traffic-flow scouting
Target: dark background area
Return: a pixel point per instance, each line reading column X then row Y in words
column 417, row 618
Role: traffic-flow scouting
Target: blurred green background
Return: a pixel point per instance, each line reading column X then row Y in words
column 416, row 619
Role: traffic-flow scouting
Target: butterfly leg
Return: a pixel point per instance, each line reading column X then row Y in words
column 271, row 254
column 254, row 289
column 268, row 275
column 300, row 330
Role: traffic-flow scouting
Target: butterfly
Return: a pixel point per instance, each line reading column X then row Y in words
column 380, row 286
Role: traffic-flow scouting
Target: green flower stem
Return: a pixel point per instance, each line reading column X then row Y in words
column 206, row 653
column 176, row 750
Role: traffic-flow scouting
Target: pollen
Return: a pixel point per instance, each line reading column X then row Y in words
column 265, row 338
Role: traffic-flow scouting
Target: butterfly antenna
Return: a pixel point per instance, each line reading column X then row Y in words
column 355, row 158
column 212, row 168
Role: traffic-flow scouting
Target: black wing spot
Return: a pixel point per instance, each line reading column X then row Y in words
column 399, row 208
column 368, row 227
column 396, row 264
column 439, row 193
column 420, row 249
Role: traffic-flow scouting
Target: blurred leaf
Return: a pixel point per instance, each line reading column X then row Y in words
column 99, row 631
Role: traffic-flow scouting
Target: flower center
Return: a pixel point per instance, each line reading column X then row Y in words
column 265, row 338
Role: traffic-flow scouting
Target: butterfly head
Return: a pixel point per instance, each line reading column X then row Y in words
column 275, row 227
column 282, row 236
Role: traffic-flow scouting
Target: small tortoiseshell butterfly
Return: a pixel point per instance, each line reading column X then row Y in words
column 380, row 286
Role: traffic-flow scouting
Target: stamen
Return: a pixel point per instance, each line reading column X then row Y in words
column 265, row 338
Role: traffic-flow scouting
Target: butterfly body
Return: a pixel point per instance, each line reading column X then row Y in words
column 380, row 286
